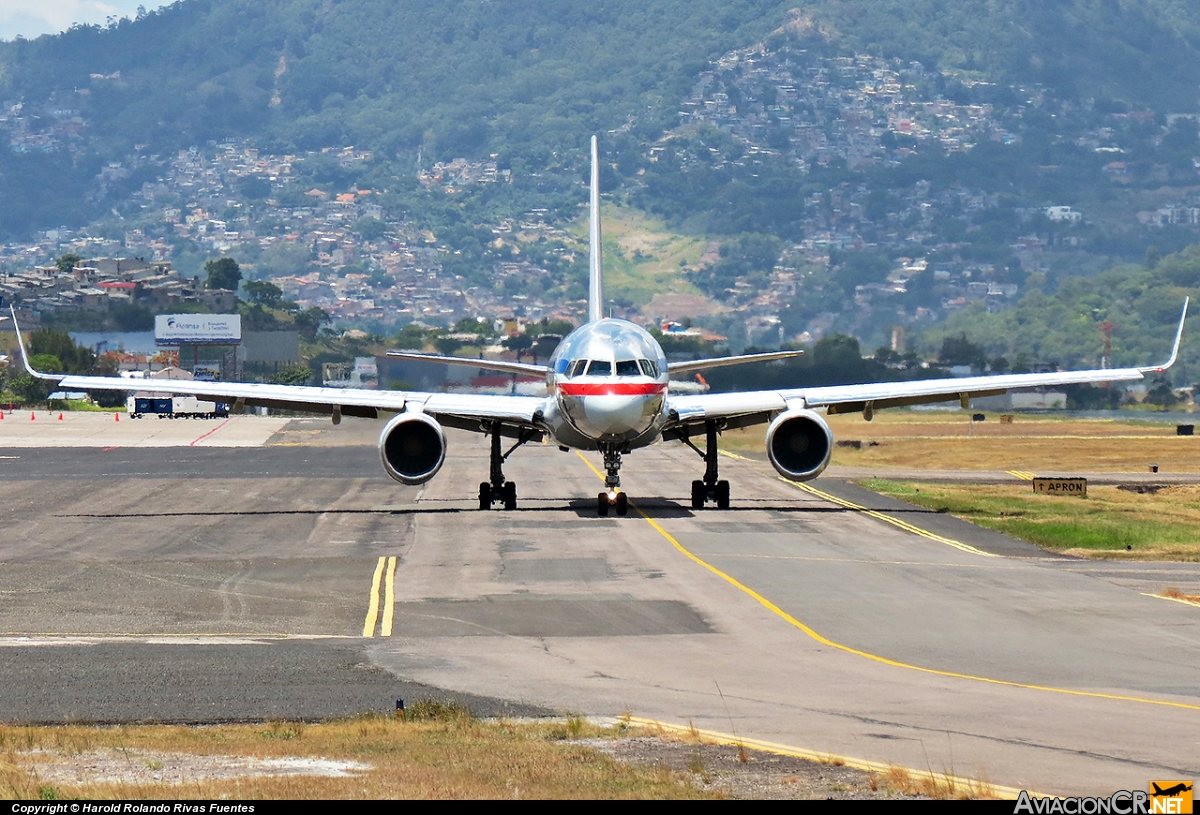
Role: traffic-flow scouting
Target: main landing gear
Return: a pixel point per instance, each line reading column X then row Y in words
column 499, row 491
column 612, row 497
column 709, row 488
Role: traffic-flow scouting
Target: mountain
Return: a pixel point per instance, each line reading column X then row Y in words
column 459, row 77
column 822, row 147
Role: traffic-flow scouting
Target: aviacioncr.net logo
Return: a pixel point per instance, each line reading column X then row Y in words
column 1163, row 798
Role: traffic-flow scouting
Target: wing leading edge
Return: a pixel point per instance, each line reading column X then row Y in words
column 756, row 407
column 464, row 410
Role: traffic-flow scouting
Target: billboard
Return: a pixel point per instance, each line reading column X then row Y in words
column 173, row 329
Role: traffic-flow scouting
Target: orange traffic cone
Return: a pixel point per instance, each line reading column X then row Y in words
column 60, row 417
column 117, row 416
column 31, row 416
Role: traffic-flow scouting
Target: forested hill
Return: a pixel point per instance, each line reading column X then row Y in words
column 456, row 77
column 464, row 77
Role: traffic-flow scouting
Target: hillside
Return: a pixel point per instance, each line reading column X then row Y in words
column 462, row 77
column 849, row 166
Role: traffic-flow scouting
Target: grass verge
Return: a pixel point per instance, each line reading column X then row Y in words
column 1163, row 525
column 439, row 752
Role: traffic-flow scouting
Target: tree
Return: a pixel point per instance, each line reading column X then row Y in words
column 370, row 229
column 1161, row 394
column 308, row 322
column 58, row 352
column 521, row 343
column 223, row 274
column 961, row 351
column 67, row 262
column 293, row 375
column 30, row 389
column 263, row 293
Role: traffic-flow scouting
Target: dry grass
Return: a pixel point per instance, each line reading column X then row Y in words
column 935, row 785
column 443, row 754
column 949, row 441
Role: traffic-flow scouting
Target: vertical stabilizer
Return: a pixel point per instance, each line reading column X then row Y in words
column 595, row 295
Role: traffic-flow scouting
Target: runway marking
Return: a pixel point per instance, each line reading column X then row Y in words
column 1023, row 475
column 888, row 519
column 869, row 562
column 209, row 433
column 373, row 602
column 788, row 618
column 716, row 737
column 35, row 638
column 389, row 599
column 1172, row 599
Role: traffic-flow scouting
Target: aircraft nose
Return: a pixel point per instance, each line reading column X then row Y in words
column 614, row 415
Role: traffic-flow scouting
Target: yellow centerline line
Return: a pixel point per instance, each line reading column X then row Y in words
column 373, row 602
column 1024, row 475
column 779, row 612
column 389, row 599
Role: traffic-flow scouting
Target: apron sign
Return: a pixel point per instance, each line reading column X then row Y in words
column 1061, row 486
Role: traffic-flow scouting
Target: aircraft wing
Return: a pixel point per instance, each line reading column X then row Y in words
column 463, row 410
column 757, row 407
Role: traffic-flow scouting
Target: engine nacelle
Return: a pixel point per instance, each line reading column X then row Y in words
column 799, row 444
column 413, row 447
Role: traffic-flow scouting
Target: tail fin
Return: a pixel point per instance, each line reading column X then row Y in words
column 595, row 294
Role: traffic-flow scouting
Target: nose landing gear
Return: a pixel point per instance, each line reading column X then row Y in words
column 619, row 502
column 612, row 496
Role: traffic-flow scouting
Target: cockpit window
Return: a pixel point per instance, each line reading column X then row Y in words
column 648, row 368
column 579, row 367
column 600, row 367
column 628, row 367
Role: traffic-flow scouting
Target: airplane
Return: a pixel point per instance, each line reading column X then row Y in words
column 608, row 390
column 1170, row 792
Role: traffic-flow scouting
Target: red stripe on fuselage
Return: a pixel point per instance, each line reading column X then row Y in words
column 611, row 388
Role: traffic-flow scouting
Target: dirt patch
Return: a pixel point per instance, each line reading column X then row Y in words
column 760, row 776
column 118, row 766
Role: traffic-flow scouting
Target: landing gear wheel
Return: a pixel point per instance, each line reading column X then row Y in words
column 698, row 494
column 510, row 495
column 622, row 504
column 602, row 505
column 722, row 495
column 485, row 495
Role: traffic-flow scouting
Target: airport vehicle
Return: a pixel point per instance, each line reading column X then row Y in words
column 174, row 407
column 607, row 391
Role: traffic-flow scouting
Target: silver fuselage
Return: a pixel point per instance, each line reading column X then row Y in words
column 607, row 383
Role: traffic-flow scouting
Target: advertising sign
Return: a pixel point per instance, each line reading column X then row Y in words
column 173, row 329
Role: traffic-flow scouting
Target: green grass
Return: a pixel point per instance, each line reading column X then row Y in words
column 1163, row 525
column 642, row 256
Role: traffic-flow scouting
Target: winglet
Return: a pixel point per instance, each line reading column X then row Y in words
column 25, row 353
column 1157, row 369
column 595, row 295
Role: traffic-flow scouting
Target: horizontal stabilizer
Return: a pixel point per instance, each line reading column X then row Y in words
column 721, row 362
column 502, row 365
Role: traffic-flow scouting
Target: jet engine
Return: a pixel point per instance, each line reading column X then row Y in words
column 798, row 444
column 412, row 447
